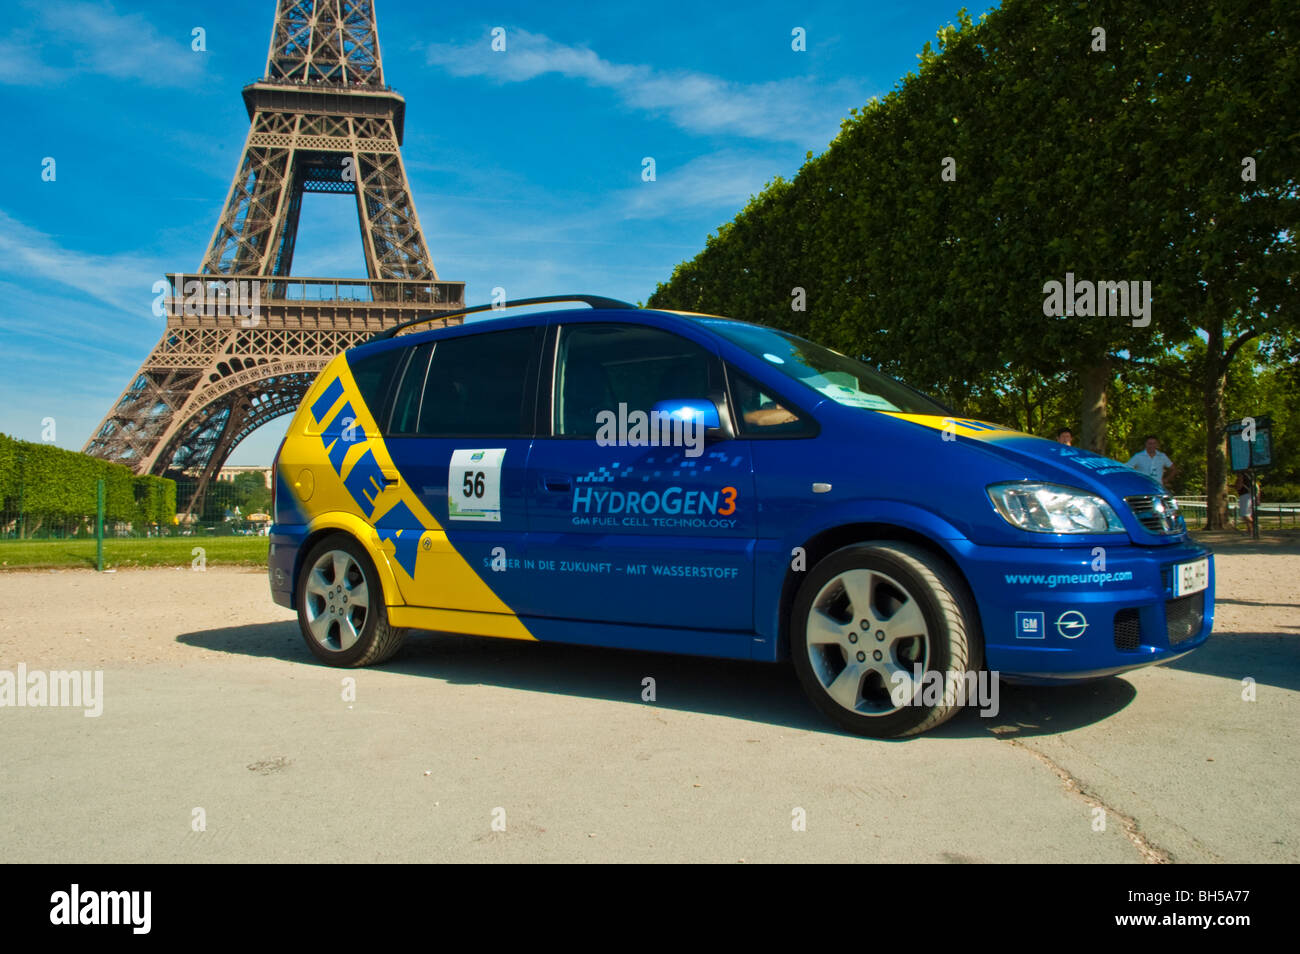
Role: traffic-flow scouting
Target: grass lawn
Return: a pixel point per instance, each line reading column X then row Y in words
column 149, row 551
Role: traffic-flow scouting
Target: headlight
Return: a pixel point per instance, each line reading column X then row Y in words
column 1052, row 508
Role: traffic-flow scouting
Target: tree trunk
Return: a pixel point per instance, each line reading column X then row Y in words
column 1216, row 423
column 1095, row 381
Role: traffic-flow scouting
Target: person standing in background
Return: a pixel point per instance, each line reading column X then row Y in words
column 1152, row 461
column 1065, row 436
column 1246, row 502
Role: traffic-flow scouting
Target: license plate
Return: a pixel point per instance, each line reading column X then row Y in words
column 1192, row 577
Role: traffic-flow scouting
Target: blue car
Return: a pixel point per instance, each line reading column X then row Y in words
column 684, row 483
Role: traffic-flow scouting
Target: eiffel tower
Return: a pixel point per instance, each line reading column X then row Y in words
column 243, row 339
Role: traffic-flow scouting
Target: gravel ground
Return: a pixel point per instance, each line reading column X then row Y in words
column 213, row 708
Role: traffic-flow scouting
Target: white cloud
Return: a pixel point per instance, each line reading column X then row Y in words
column 74, row 38
column 799, row 110
column 19, row 66
column 122, row 281
column 722, row 180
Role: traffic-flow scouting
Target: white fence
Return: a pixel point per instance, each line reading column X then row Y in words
column 1271, row 513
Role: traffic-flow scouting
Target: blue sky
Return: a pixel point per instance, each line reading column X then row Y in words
column 525, row 166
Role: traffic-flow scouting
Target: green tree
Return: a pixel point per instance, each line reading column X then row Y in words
column 251, row 493
column 1027, row 147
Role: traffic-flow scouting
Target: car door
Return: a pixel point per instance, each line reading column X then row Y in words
column 649, row 526
column 459, row 433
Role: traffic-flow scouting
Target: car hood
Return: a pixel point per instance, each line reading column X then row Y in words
column 1043, row 459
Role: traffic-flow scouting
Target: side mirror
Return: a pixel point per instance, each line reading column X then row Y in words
column 689, row 409
column 717, row 426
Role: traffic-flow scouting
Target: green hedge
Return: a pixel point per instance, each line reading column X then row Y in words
column 1279, row 493
column 155, row 499
column 44, row 481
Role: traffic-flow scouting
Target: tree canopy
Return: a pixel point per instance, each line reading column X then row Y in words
column 1153, row 145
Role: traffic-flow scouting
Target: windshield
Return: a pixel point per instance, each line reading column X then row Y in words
column 831, row 374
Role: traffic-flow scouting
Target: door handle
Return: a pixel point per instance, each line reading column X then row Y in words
column 557, row 483
column 391, row 478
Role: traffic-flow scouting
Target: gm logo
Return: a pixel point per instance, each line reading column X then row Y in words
column 1030, row 626
column 1071, row 624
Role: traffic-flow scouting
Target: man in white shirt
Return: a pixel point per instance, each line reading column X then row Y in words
column 1152, row 461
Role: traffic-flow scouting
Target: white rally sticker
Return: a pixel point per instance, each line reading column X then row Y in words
column 474, row 484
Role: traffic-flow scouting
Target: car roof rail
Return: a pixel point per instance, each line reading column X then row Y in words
column 595, row 301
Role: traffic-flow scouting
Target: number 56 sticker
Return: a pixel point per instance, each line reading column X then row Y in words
column 474, row 485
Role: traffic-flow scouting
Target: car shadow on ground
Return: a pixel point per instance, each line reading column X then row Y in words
column 757, row 692
column 1028, row 711
column 1271, row 659
column 1220, row 601
column 1270, row 542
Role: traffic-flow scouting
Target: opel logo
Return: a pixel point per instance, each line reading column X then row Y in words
column 1071, row 624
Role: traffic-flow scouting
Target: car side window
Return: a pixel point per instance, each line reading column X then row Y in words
column 472, row 386
column 761, row 413
column 600, row 366
column 410, row 391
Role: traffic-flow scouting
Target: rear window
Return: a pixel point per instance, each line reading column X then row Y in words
column 374, row 377
column 469, row 386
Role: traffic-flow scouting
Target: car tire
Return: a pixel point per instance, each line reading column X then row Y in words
column 341, row 610
column 867, row 613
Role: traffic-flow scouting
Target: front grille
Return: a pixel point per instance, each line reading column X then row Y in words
column 1184, row 616
column 1183, row 620
column 1128, row 630
column 1158, row 513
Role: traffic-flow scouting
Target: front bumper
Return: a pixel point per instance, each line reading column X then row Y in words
column 1049, row 616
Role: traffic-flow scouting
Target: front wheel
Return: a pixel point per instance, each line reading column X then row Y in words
column 341, row 608
column 870, row 619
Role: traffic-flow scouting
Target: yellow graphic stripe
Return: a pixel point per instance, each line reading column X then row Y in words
column 967, row 427
column 444, row 590
column 506, row 625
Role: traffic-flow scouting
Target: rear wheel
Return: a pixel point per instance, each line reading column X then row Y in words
column 341, row 608
column 870, row 619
